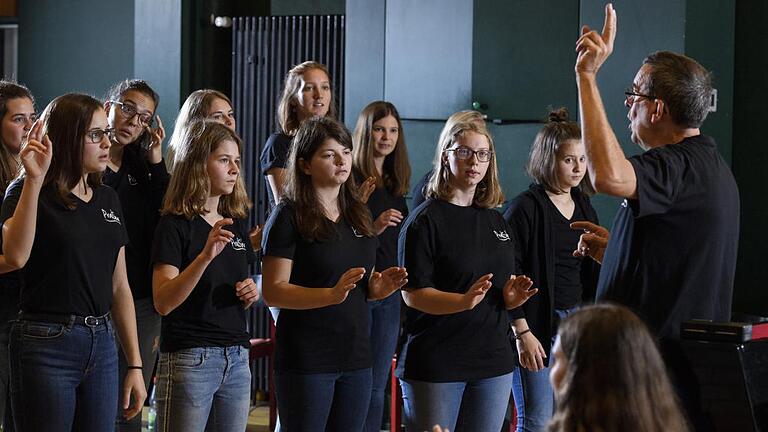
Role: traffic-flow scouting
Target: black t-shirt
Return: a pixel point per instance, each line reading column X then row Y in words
column 332, row 338
column 74, row 253
column 275, row 155
column 212, row 315
column 567, row 267
column 380, row 201
column 10, row 286
column 672, row 252
column 448, row 247
column 141, row 187
column 418, row 191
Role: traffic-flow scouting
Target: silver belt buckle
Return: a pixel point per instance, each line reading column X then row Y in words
column 91, row 321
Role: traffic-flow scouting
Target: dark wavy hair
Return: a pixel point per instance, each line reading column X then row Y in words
column 396, row 172
column 615, row 379
column 311, row 221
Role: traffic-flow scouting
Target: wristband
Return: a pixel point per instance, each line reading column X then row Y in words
column 135, row 367
column 517, row 336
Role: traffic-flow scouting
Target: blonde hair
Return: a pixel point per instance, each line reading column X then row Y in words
column 287, row 115
column 190, row 185
column 488, row 193
column 195, row 108
column 396, row 172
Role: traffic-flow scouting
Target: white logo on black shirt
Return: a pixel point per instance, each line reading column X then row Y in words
column 132, row 180
column 110, row 216
column 357, row 234
column 237, row 244
column 501, row 235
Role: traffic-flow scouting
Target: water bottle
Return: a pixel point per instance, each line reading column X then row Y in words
column 152, row 414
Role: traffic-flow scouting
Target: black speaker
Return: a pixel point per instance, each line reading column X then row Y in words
column 733, row 383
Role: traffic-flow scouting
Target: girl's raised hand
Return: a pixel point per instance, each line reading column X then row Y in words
column 218, row 238
column 518, row 290
column 367, row 188
column 247, row 292
column 476, row 293
column 387, row 218
column 347, row 283
column 256, row 235
column 157, row 135
column 36, row 153
column 388, row 281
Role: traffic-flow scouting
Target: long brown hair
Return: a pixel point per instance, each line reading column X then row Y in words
column 311, row 221
column 287, row 114
column 615, row 379
column 542, row 160
column 488, row 193
column 66, row 120
column 190, row 185
column 195, row 108
column 396, row 172
column 9, row 168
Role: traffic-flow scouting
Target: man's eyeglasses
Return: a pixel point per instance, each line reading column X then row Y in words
column 465, row 153
column 129, row 110
column 632, row 96
column 97, row 135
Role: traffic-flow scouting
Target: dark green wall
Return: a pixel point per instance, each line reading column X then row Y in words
column 750, row 154
column 74, row 46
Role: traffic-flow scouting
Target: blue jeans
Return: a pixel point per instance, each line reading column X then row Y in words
column 203, row 389
column 63, row 376
column 329, row 402
column 148, row 331
column 473, row 406
column 534, row 397
column 385, row 326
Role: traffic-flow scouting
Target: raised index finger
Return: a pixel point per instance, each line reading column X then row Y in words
column 35, row 131
column 609, row 26
column 584, row 225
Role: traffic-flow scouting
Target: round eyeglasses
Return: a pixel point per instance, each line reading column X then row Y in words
column 129, row 110
column 97, row 135
column 465, row 153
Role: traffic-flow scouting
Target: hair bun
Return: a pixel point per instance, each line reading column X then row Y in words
column 559, row 115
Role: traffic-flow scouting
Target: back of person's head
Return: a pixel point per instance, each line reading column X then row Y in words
column 66, row 120
column 287, row 112
column 396, row 172
column 488, row 193
column 9, row 168
column 118, row 91
column 195, row 108
column 190, row 185
column 684, row 84
column 542, row 160
column 300, row 192
column 614, row 378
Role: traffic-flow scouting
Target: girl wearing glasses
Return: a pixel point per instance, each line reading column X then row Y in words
column 307, row 93
column 17, row 114
column 540, row 218
column 380, row 153
column 136, row 171
column 319, row 259
column 201, row 258
column 455, row 367
column 200, row 105
column 67, row 233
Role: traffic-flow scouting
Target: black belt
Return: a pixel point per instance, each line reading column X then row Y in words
column 90, row 321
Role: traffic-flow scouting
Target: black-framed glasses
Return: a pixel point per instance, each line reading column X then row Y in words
column 97, row 135
column 129, row 110
column 465, row 153
column 632, row 95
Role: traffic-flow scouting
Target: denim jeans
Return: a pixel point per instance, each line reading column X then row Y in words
column 331, row 402
column 63, row 376
column 203, row 389
column 534, row 397
column 471, row 406
column 385, row 326
column 148, row 331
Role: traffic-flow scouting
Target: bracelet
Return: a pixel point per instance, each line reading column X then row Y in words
column 517, row 336
column 135, row 367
